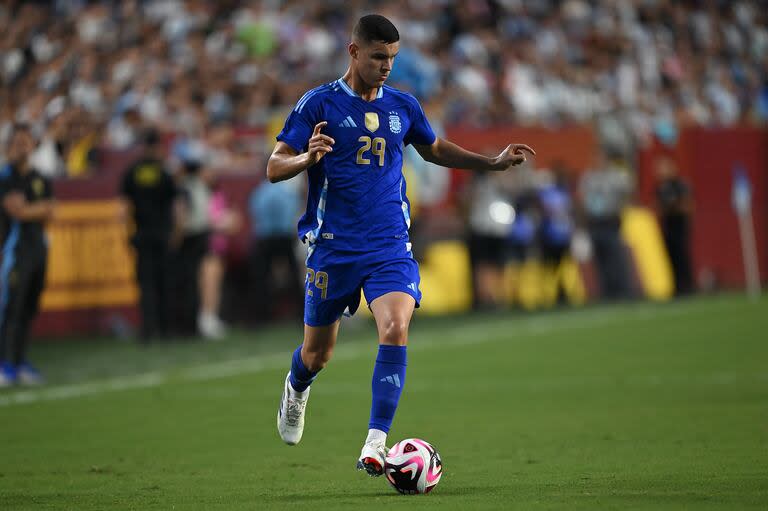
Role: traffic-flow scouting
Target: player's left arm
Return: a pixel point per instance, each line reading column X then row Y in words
column 446, row 153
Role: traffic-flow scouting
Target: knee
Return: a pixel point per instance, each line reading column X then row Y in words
column 317, row 359
column 394, row 332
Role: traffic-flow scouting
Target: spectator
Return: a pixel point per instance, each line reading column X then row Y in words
column 521, row 237
column 490, row 217
column 675, row 208
column 224, row 223
column 633, row 68
column 149, row 193
column 274, row 208
column 49, row 157
column 604, row 192
column 195, row 230
column 84, row 154
column 556, row 228
column 27, row 204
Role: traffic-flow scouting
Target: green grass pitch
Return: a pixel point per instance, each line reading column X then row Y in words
column 634, row 406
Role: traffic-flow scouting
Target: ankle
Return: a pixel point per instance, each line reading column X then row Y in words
column 376, row 436
column 295, row 393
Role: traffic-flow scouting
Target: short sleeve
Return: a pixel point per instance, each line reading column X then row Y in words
column 301, row 122
column 420, row 132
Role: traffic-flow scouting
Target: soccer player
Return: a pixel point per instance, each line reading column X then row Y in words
column 26, row 204
column 349, row 136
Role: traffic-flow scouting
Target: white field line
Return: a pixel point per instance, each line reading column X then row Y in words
column 457, row 337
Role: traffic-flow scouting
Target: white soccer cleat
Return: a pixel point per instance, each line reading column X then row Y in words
column 211, row 327
column 372, row 459
column 290, row 415
column 6, row 381
column 29, row 376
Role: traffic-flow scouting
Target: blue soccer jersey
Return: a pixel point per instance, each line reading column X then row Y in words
column 357, row 195
column 358, row 215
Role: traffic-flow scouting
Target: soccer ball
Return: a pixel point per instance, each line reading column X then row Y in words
column 413, row 466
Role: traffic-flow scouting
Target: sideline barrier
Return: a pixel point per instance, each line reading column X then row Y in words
column 90, row 264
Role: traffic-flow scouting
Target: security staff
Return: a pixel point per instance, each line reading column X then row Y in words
column 27, row 204
column 149, row 192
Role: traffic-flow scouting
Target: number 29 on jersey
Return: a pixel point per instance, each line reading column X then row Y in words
column 377, row 146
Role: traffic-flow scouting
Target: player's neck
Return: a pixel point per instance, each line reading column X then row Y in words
column 358, row 86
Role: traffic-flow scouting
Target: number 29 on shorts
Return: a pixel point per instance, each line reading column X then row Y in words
column 320, row 281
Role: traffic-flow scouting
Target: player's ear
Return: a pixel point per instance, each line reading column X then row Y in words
column 353, row 50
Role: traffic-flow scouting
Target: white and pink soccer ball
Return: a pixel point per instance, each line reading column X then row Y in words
column 413, row 466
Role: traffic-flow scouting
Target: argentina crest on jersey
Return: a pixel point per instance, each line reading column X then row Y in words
column 394, row 122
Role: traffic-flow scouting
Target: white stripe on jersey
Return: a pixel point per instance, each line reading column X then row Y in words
column 307, row 96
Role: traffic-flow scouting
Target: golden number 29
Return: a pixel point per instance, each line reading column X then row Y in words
column 320, row 279
column 377, row 146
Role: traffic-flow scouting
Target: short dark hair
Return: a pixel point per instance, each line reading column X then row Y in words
column 375, row 28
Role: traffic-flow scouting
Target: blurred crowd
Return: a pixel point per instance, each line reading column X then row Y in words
column 213, row 81
column 91, row 74
column 529, row 229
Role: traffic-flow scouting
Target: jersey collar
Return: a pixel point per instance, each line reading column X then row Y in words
column 350, row 92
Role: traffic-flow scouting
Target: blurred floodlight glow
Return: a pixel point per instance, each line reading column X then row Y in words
column 502, row 212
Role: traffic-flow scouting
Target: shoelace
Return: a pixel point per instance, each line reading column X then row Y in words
column 294, row 411
column 381, row 449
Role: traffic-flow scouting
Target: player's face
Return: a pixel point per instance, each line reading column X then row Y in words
column 21, row 146
column 374, row 61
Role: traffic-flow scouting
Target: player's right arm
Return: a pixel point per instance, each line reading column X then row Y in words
column 285, row 162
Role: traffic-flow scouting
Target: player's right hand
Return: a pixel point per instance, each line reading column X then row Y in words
column 319, row 144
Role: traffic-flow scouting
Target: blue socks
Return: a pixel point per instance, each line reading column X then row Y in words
column 301, row 377
column 386, row 385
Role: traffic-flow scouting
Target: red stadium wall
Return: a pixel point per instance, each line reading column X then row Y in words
column 707, row 158
column 573, row 146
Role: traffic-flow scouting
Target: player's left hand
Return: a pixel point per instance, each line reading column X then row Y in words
column 514, row 154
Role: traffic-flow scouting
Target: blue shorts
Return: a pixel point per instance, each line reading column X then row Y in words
column 335, row 278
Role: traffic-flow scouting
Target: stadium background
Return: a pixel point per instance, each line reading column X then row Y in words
column 576, row 80
column 651, row 403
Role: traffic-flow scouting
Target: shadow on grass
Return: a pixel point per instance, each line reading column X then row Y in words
column 385, row 493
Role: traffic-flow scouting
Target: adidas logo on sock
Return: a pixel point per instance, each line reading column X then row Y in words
column 393, row 379
column 347, row 123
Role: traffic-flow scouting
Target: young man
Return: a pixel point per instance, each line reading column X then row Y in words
column 149, row 194
column 26, row 204
column 349, row 135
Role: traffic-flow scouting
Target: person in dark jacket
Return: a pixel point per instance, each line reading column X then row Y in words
column 26, row 204
column 150, row 193
column 675, row 205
